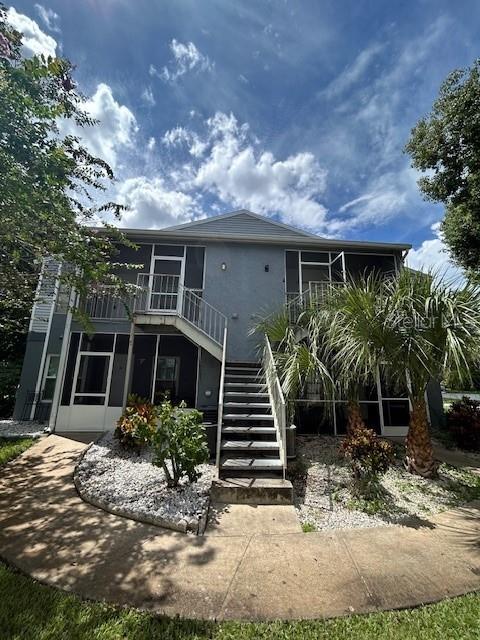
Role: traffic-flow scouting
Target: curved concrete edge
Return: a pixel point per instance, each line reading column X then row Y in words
column 49, row 533
column 194, row 526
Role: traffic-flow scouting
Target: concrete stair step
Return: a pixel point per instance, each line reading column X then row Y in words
column 246, row 394
column 244, row 385
column 250, row 464
column 257, row 417
column 236, row 490
column 249, row 445
column 246, row 405
column 249, row 430
column 243, row 370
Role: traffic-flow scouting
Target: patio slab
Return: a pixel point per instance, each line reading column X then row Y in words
column 238, row 571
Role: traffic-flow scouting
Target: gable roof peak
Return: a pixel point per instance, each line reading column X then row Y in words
column 262, row 225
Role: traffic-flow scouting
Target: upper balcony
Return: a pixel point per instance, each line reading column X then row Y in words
column 159, row 299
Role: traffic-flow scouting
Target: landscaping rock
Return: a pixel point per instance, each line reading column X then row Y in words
column 321, row 480
column 126, row 482
column 14, row 429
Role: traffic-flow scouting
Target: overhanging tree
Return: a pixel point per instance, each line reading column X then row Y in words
column 49, row 184
column 445, row 147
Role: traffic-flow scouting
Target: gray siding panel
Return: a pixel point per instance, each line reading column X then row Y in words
column 244, row 289
column 243, row 225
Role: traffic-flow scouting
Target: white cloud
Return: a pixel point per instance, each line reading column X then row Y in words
column 179, row 136
column 49, row 18
column 148, row 97
column 152, row 205
column 240, row 176
column 116, row 128
column 34, row 42
column 433, row 254
column 353, row 73
column 384, row 197
column 151, row 143
column 186, row 58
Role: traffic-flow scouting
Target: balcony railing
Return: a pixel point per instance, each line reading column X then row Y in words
column 106, row 303
column 157, row 294
column 314, row 296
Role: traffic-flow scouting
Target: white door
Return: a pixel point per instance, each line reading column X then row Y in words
column 165, row 284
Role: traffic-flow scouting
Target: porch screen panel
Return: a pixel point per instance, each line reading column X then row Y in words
column 118, row 371
column 194, row 267
column 144, row 348
column 357, row 264
column 70, row 369
column 292, row 271
column 169, row 250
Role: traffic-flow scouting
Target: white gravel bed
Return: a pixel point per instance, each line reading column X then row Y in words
column 127, row 483
column 323, row 500
column 23, row 428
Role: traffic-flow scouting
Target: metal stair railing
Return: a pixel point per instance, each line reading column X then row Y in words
column 277, row 401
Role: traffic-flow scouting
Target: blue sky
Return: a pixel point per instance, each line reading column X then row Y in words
column 295, row 110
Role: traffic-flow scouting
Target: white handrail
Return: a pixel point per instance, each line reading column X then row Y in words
column 277, row 400
column 157, row 293
column 220, row 402
column 107, row 303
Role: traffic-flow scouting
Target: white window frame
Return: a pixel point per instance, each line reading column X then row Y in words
column 47, row 377
column 80, row 353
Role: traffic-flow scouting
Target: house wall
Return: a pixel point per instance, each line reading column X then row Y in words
column 244, row 290
column 252, row 284
column 31, row 366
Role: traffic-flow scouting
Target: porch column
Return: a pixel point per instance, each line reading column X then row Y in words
column 128, row 368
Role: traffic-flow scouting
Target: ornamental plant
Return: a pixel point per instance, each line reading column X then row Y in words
column 179, row 442
column 463, row 422
column 138, row 422
column 369, row 457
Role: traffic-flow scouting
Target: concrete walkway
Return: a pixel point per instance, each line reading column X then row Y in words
column 48, row 532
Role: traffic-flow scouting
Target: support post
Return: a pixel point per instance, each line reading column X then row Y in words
column 128, row 368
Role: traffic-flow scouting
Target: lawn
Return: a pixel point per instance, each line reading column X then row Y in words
column 30, row 610
column 10, row 449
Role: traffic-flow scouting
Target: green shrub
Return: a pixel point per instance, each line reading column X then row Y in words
column 463, row 423
column 179, row 442
column 369, row 457
column 138, row 422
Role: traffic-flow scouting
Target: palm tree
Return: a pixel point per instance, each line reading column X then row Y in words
column 418, row 326
column 298, row 355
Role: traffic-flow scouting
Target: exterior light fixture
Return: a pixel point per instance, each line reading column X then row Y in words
column 224, row 266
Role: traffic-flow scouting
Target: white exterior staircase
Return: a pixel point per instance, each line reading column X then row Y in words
column 249, row 457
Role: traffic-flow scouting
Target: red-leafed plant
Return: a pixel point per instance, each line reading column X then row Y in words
column 369, row 457
column 463, row 422
column 137, row 423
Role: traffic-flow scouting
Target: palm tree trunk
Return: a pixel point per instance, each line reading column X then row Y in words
column 419, row 455
column 354, row 417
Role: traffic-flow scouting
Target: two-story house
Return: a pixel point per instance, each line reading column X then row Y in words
column 186, row 330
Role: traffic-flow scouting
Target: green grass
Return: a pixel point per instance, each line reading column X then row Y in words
column 10, row 449
column 308, row 527
column 29, row 610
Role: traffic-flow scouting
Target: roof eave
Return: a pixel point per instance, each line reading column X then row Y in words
column 285, row 240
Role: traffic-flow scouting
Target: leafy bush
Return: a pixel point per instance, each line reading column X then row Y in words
column 179, row 442
column 138, row 423
column 463, row 422
column 369, row 457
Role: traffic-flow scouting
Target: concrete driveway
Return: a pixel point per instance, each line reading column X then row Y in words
column 47, row 531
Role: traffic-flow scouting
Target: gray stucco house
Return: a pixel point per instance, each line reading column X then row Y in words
column 201, row 285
